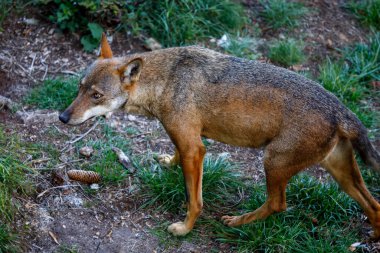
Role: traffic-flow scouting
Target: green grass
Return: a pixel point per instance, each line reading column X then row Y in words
column 282, row 13
column 183, row 22
column 11, row 6
column 164, row 188
column 367, row 11
column 243, row 47
column 286, row 52
column 318, row 219
column 104, row 160
column 349, row 78
column 14, row 181
column 54, row 94
column 67, row 249
column 6, row 4
column 7, row 240
column 12, row 173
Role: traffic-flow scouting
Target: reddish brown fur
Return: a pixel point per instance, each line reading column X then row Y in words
column 197, row 92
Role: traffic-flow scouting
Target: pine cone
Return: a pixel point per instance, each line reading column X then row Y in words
column 84, row 176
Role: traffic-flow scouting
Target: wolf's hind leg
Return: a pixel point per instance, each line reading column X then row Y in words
column 278, row 172
column 341, row 164
column 276, row 201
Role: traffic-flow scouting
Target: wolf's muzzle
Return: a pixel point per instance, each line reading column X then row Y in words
column 64, row 117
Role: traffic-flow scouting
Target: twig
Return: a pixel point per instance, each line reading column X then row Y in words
column 138, row 135
column 83, row 135
column 40, row 160
column 56, row 187
column 62, row 132
column 37, row 247
column 68, row 162
column 32, row 65
column 46, row 71
column 69, row 72
column 54, row 237
column 97, row 247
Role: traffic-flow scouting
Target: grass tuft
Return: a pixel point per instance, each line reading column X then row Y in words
column 243, row 47
column 183, row 22
column 367, row 11
column 165, row 188
column 350, row 78
column 104, row 160
column 282, row 13
column 286, row 52
column 13, row 182
column 318, row 219
column 7, row 240
column 54, row 94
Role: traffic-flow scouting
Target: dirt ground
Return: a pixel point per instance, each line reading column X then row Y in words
column 32, row 50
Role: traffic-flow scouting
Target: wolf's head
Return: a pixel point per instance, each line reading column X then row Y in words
column 104, row 88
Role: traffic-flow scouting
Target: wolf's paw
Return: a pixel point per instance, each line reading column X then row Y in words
column 178, row 229
column 231, row 221
column 165, row 160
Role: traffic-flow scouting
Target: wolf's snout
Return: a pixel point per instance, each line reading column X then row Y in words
column 64, row 117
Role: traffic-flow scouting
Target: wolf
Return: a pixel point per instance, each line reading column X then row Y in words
column 197, row 92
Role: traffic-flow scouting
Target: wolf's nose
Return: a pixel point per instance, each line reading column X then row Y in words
column 64, row 117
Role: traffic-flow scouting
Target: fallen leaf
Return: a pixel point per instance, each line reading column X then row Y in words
column 86, row 151
column 329, row 44
column 124, row 159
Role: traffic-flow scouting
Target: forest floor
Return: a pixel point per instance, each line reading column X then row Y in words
column 64, row 216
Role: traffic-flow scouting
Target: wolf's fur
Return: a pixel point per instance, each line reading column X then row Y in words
column 197, row 92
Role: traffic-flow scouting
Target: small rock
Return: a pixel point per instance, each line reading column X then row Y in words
column 354, row 246
column 282, row 36
column 74, row 201
column 131, row 118
column 343, row 37
column 224, row 41
column 94, row 186
column 86, row 151
column 224, row 155
column 44, row 219
column 30, row 21
column 329, row 44
column 152, row 44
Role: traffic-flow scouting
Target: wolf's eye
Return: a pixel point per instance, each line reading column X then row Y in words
column 96, row 95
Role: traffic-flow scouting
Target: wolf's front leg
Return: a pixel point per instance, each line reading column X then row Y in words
column 192, row 168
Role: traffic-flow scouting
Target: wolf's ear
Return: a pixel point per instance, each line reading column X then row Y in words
column 130, row 72
column 105, row 49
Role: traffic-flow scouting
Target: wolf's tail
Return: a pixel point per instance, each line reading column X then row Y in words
column 366, row 151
